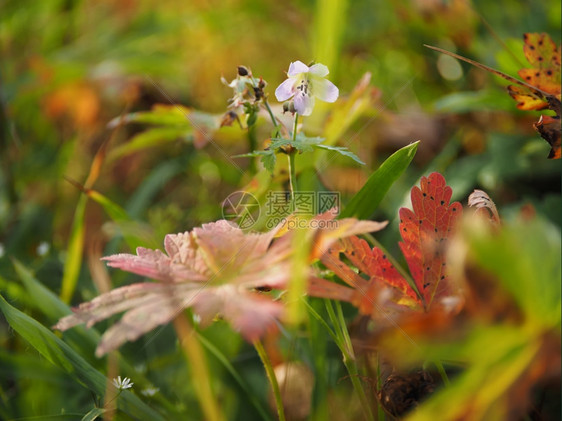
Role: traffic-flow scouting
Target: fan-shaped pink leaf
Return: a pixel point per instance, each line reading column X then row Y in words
column 213, row 269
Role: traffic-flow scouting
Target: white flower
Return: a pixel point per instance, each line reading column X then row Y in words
column 122, row 384
column 305, row 83
column 150, row 391
column 43, row 248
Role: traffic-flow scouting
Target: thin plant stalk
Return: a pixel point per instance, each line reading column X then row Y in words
column 292, row 170
column 195, row 356
column 344, row 343
column 252, row 142
column 292, row 177
column 271, row 115
column 272, row 379
column 241, row 382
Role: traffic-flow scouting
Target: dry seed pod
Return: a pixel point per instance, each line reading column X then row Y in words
column 401, row 393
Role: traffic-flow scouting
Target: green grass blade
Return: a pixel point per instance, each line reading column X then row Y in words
column 82, row 339
column 49, row 304
column 133, row 234
column 93, row 414
column 241, row 382
column 366, row 201
column 73, row 261
column 60, row 354
column 151, row 138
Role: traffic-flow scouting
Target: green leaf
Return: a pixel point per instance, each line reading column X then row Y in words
column 268, row 158
column 366, row 201
column 49, row 304
column 499, row 356
column 302, row 143
column 81, row 338
column 342, row 151
column 93, row 414
column 164, row 115
column 525, row 257
column 73, row 260
column 251, row 396
column 464, row 102
column 131, row 230
column 152, row 137
column 60, row 354
column 268, row 161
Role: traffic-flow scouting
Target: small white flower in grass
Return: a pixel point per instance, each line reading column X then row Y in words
column 122, row 384
column 150, row 391
column 43, row 248
column 305, row 83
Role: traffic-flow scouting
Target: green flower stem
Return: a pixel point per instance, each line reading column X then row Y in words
column 272, row 379
column 195, row 357
column 295, row 126
column 292, row 170
column 271, row 115
column 253, row 142
column 292, row 178
column 345, row 346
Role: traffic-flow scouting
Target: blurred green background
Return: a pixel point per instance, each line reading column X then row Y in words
column 68, row 68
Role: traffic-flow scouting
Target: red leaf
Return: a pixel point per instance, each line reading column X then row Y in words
column 424, row 232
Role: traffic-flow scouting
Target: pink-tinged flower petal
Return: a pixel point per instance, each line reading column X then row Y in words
column 227, row 248
column 138, row 321
column 113, row 302
column 304, row 103
column 319, row 70
column 190, row 278
column 325, row 90
column 297, row 67
column 286, row 90
column 154, row 265
column 249, row 313
column 182, row 249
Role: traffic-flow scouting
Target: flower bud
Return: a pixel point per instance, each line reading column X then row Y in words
column 228, row 118
column 243, row 71
column 289, row 106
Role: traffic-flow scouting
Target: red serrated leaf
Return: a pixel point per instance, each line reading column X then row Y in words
column 424, row 231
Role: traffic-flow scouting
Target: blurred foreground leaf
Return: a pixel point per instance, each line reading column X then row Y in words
column 508, row 337
column 61, row 355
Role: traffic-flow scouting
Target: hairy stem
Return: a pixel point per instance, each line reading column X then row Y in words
column 195, row 357
column 272, row 379
column 346, row 348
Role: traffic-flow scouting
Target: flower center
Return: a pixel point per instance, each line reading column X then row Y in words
column 304, row 87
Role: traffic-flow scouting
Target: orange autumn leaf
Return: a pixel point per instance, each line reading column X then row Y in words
column 541, row 88
column 78, row 101
column 544, row 57
column 379, row 288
